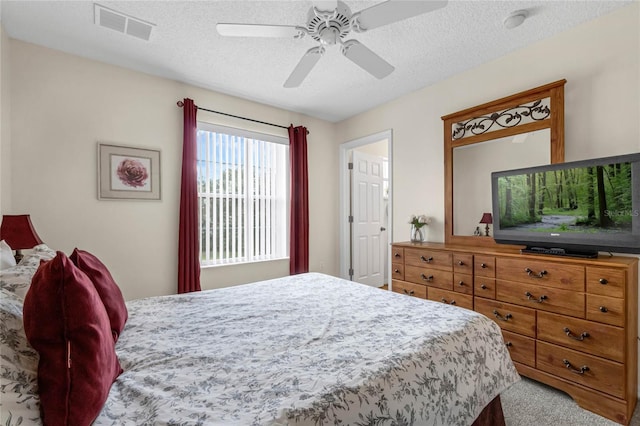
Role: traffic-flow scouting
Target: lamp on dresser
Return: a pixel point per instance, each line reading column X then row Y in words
column 486, row 220
column 19, row 233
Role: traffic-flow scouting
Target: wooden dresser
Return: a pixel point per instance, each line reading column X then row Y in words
column 567, row 322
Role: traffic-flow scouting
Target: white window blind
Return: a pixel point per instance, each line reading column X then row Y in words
column 243, row 184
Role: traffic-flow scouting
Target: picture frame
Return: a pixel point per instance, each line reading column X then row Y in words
column 128, row 173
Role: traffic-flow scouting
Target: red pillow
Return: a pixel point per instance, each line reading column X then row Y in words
column 66, row 322
column 107, row 288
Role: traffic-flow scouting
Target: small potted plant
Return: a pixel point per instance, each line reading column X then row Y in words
column 417, row 222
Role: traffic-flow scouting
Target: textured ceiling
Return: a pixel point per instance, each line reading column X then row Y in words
column 185, row 46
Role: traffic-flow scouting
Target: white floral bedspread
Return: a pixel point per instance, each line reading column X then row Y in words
column 305, row 350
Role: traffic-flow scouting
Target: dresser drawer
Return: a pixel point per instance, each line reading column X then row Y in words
column 587, row 336
column 609, row 310
column 409, row 289
column 463, row 263
column 397, row 254
column 432, row 259
column 428, row 276
column 450, row 297
column 484, row 266
column 485, row 287
column 605, row 281
column 596, row 373
column 397, row 271
column 509, row 317
column 543, row 298
column 521, row 348
column 539, row 272
column 463, row 283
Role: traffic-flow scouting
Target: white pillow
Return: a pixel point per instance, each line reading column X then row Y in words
column 17, row 279
column 38, row 253
column 6, row 256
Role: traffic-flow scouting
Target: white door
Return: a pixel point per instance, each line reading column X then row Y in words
column 368, row 219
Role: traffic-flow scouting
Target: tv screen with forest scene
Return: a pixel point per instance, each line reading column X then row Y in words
column 575, row 209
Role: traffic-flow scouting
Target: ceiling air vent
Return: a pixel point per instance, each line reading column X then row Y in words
column 122, row 23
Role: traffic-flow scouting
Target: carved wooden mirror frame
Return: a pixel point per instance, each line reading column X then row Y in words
column 535, row 109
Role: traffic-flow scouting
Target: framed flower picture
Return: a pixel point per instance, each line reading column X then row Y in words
column 128, row 173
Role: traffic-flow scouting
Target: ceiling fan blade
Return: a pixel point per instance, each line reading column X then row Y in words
column 300, row 72
column 258, row 30
column 326, row 5
column 365, row 58
column 393, row 11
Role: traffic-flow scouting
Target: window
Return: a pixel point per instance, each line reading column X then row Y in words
column 243, row 195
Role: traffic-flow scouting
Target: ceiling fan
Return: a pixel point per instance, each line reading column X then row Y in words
column 328, row 23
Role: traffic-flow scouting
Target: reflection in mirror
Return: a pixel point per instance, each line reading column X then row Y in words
column 472, row 167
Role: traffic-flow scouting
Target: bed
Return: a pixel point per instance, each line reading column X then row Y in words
column 308, row 349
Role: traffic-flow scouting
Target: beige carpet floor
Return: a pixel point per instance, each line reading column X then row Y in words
column 530, row 403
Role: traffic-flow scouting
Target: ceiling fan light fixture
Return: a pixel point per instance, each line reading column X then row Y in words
column 515, row 19
column 328, row 23
column 329, row 36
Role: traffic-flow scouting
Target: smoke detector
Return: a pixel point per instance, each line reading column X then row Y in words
column 122, row 22
column 515, row 19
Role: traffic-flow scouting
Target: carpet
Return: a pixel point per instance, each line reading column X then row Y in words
column 530, row 403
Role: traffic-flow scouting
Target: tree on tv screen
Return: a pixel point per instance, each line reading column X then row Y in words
column 584, row 199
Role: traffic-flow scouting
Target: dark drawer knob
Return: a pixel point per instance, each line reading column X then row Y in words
column 453, row 302
column 533, row 298
column 581, row 370
column 426, row 259
column 581, row 337
column 397, row 254
column 540, row 274
column 500, row 317
column 426, row 278
column 483, row 265
column 508, row 344
column 461, row 283
column 603, row 281
column 603, row 309
column 397, row 271
column 460, row 262
column 482, row 286
column 408, row 292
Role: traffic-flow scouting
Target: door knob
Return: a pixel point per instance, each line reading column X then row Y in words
column 382, row 228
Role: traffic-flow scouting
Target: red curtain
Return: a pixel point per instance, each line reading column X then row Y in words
column 188, row 243
column 299, row 238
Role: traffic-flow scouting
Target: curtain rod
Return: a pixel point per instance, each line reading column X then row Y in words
column 181, row 104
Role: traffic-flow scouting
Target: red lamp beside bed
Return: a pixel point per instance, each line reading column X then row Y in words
column 19, row 233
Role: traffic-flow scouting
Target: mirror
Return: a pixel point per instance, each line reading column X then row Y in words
column 472, row 167
column 521, row 130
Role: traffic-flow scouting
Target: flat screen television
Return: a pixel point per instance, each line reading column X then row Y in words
column 570, row 209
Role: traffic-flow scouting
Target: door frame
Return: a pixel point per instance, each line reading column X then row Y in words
column 344, row 196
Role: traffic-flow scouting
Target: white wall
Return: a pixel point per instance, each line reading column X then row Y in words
column 380, row 149
column 5, row 122
column 63, row 105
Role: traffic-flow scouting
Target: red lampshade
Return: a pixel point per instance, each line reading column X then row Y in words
column 486, row 218
column 18, row 232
